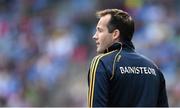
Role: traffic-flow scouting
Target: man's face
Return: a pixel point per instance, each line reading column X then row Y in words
column 102, row 37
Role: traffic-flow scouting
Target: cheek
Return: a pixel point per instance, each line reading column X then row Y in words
column 102, row 38
column 106, row 39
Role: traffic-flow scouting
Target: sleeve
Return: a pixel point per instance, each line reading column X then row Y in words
column 98, row 84
column 162, row 99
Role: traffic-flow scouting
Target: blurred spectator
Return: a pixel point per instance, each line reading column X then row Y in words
column 45, row 47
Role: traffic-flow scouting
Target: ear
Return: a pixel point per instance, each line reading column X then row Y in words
column 116, row 34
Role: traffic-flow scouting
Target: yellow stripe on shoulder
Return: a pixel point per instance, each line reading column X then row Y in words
column 93, row 68
column 93, row 63
column 90, row 77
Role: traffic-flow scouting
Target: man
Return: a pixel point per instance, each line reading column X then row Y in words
column 118, row 76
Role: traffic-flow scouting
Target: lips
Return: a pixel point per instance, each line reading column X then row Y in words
column 97, row 43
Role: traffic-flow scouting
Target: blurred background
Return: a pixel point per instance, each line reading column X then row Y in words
column 46, row 47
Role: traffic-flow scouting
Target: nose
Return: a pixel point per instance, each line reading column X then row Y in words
column 95, row 37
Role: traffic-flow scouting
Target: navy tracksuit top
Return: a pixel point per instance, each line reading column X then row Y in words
column 122, row 77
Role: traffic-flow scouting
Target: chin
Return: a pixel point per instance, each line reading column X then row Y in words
column 99, row 51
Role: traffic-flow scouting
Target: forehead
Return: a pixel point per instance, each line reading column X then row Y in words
column 104, row 20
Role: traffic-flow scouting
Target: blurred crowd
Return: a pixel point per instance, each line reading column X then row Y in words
column 46, row 47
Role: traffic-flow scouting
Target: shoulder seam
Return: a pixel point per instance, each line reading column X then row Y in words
column 114, row 62
column 103, row 55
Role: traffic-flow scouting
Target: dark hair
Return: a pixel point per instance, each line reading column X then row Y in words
column 120, row 20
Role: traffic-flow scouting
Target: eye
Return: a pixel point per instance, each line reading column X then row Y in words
column 99, row 29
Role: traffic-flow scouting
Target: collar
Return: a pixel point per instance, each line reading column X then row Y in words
column 127, row 46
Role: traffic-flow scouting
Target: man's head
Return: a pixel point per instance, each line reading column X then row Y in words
column 114, row 26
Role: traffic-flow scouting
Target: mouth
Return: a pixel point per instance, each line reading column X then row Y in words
column 97, row 44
